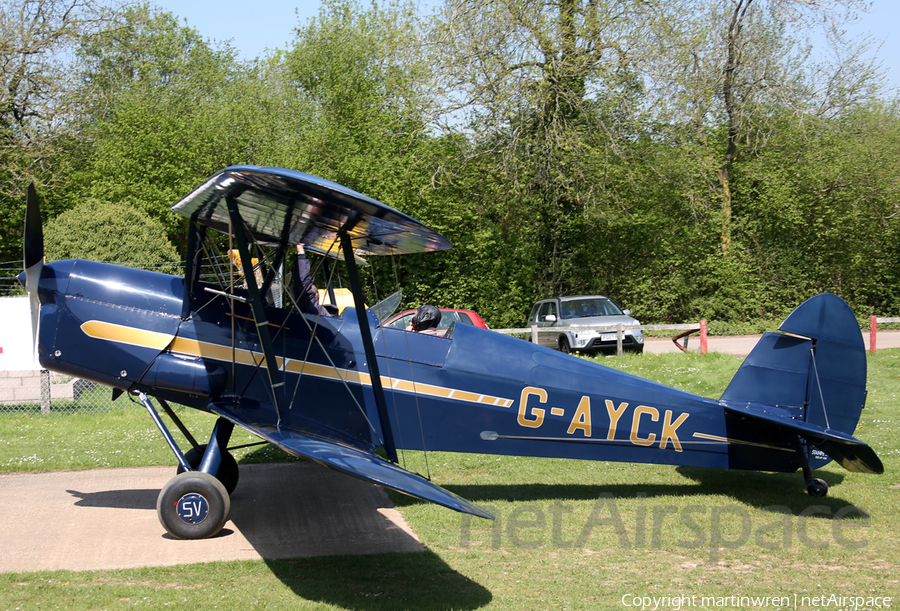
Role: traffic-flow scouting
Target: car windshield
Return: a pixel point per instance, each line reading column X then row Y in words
column 593, row 306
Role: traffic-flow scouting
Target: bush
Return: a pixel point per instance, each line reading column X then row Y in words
column 113, row 233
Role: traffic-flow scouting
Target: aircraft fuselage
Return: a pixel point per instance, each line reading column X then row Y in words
column 473, row 391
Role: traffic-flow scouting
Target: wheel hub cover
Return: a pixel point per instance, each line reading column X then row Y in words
column 192, row 508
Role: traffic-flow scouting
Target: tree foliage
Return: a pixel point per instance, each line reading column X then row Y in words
column 35, row 105
column 110, row 232
column 690, row 158
column 157, row 119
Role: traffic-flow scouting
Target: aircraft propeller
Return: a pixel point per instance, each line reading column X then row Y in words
column 33, row 254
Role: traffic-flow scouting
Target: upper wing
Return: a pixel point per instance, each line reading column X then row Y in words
column 285, row 205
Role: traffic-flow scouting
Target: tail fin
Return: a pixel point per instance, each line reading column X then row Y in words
column 811, row 383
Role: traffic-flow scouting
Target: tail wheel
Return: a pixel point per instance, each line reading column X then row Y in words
column 817, row 487
column 228, row 469
column 193, row 505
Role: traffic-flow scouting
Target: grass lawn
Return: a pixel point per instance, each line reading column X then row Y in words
column 569, row 534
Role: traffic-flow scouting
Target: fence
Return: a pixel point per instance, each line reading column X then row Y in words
column 534, row 333
column 41, row 391
column 873, row 329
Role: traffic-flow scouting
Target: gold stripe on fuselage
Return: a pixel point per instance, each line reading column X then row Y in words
column 126, row 335
column 191, row 347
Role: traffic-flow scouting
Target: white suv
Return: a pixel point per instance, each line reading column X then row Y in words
column 569, row 314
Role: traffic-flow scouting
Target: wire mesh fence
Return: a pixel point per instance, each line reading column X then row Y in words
column 45, row 392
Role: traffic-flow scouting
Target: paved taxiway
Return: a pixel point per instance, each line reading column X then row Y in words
column 106, row 519
column 741, row 345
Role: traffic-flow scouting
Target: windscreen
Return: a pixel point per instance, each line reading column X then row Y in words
column 593, row 306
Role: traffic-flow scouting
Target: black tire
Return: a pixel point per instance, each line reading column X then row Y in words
column 193, row 505
column 817, row 487
column 564, row 345
column 228, row 470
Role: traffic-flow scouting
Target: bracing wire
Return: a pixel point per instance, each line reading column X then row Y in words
column 812, row 353
column 314, row 335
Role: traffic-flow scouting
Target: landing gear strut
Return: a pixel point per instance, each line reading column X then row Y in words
column 195, row 503
column 814, row 486
column 228, row 471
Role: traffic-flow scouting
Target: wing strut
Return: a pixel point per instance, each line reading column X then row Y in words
column 368, row 345
column 256, row 304
column 196, row 233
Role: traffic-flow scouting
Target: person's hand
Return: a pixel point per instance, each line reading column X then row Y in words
column 299, row 249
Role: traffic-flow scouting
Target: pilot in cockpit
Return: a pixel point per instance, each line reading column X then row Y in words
column 425, row 320
column 304, row 291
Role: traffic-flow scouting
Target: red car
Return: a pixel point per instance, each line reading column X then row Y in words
column 448, row 317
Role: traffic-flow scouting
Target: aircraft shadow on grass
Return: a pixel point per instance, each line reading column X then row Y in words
column 421, row 581
column 764, row 491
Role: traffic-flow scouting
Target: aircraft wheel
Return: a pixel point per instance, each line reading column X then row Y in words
column 228, row 470
column 564, row 345
column 193, row 505
column 817, row 487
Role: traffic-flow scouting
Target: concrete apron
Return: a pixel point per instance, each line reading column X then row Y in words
column 106, row 519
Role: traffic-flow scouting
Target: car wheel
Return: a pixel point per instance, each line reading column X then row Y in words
column 564, row 345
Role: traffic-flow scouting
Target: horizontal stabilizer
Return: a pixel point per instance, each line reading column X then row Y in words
column 357, row 463
column 849, row 452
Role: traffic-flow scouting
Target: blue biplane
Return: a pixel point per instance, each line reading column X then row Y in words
column 347, row 392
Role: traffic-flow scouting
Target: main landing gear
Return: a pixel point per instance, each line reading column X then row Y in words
column 195, row 504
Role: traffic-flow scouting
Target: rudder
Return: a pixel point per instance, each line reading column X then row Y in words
column 817, row 374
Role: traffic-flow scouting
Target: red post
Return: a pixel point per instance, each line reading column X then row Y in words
column 702, row 337
column 873, row 331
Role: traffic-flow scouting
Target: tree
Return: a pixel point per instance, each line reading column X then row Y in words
column 110, row 232
column 823, row 209
column 732, row 68
column 549, row 94
column 164, row 110
column 36, row 37
column 367, row 86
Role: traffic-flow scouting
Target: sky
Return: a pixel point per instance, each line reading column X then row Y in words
column 255, row 26
column 251, row 26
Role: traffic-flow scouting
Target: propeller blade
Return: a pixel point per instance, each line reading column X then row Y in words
column 33, row 256
column 35, row 306
column 33, row 244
